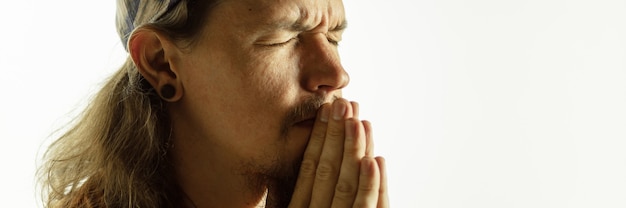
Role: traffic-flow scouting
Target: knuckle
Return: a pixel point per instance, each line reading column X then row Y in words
column 318, row 136
column 366, row 187
column 308, row 167
column 344, row 189
column 325, row 171
column 351, row 149
column 335, row 133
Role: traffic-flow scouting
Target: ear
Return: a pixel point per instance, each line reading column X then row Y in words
column 153, row 53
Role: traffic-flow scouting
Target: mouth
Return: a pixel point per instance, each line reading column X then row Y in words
column 307, row 123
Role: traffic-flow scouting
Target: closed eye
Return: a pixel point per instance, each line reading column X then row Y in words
column 281, row 43
column 334, row 42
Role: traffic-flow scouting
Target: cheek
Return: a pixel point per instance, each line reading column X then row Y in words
column 242, row 99
column 267, row 91
column 264, row 87
column 272, row 77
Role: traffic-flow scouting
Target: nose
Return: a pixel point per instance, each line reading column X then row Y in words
column 321, row 69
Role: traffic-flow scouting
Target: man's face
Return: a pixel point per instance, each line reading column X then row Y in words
column 260, row 69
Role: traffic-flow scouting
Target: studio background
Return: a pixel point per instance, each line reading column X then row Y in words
column 482, row 103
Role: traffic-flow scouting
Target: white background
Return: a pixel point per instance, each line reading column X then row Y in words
column 483, row 103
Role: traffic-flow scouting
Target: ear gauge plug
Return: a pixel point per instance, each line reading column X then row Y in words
column 167, row 91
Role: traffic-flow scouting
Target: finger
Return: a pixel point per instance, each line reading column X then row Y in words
column 369, row 184
column 332, row 152
column 304, row 185
column 369, row 139
column 354, row 150
column 355, row 109
column 383, row 196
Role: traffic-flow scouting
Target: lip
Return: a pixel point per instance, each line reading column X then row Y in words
column 306, row 123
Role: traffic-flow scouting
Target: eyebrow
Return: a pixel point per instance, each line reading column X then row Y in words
column 342, row 26
column 298, row 27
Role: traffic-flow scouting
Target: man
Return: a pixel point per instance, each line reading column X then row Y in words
column 233, row 103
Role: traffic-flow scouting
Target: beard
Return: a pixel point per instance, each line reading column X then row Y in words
column 276, row 172
column 280, row 185
column 278, row 179
column 280, row 175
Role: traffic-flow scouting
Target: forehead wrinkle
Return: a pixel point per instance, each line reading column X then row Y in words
column 264, row 16
column 328, row 19
column 296, row 17
column 343, row 24
column 335, row 9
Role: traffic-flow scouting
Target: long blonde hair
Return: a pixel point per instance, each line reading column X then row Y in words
column 116, row 153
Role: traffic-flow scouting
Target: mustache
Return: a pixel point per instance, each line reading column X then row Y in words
column 305, row 110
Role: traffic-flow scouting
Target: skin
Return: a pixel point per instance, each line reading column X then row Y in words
column 258, row 109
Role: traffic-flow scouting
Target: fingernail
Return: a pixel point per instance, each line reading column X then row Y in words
column 339, row 110
column 325, row 114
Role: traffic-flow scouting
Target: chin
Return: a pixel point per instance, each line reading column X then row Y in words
column 281, row 186
column 297, row 139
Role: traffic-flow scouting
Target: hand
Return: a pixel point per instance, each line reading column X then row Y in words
column 338, row 168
